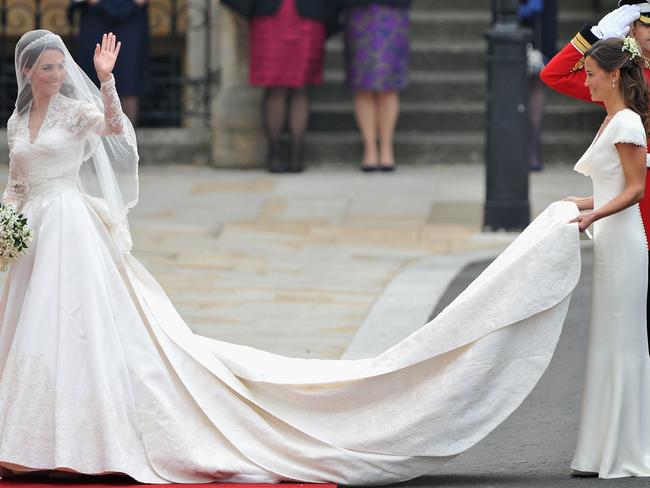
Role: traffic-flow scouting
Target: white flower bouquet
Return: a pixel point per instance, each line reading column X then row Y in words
column 14, row 235
column 631, row 46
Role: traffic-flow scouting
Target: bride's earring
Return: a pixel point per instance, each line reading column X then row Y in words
column 613, row 83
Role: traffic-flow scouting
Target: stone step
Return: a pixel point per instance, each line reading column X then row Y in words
column 424, row 86
column 475, row 5
column 441, row 26
column 433, row 86
column 443, row 114
column 174, row 146
column 452, row 117
column 443, row 111
column 452, row 52
column 170, row 145
column 486, row 5
column 416, row 147
column 457, row 56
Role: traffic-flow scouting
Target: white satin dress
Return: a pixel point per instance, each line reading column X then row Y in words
column 99, row 373
column 614, row 435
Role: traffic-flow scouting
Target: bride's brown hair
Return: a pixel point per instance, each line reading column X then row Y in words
column 610, row 56
column 29, row 59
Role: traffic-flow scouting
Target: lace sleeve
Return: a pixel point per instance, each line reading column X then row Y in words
column 17, row 180
column 91, row 120
column 112, row 108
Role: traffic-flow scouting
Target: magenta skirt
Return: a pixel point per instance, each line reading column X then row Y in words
column 286, row 49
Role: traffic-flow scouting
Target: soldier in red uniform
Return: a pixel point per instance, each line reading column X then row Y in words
column 565, row 72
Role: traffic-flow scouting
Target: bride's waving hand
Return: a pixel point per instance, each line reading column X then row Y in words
column 106, row 56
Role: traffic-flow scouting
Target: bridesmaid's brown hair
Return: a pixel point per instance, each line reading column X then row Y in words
column 612, row 54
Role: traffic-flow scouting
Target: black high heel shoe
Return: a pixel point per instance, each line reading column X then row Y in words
column 273, row 159
column 386, row 167
column 297, row 157
column 368, row 168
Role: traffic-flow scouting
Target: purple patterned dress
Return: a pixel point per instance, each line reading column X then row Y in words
column 377, row 48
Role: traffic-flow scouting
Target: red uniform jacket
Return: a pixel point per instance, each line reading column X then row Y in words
column 565, row 73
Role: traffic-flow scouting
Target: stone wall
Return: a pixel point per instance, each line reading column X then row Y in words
column 238, row 139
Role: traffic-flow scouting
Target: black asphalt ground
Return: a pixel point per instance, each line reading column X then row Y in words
column 534, row 447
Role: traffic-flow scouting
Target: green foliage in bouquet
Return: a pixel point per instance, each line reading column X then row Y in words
column 15, row 236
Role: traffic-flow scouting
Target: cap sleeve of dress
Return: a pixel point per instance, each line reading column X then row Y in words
column 629, row 129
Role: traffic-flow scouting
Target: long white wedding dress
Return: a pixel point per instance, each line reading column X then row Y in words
column 99, row 373
column 614, row 437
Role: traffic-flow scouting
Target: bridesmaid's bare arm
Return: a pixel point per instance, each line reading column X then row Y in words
column 633, row 162
column 583, row 203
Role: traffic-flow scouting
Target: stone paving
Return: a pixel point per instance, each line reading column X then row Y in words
column 293, row 264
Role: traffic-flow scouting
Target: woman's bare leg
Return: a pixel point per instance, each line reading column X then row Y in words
column 388, row 111
column 365, row 111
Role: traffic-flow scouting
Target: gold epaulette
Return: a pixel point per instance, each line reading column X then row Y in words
column 580, row 43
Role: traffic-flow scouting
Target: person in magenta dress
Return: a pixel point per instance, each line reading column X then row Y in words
column 377, row 58
column 287, row 48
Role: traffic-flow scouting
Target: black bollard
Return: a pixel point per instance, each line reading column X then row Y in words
column 506, row 200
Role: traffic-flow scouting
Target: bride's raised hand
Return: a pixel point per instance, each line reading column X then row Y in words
column 105, row 56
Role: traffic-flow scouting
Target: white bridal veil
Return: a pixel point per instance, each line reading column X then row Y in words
column 112, row 175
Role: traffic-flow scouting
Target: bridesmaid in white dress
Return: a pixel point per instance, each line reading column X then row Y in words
column 99, row 373
column 614, row 436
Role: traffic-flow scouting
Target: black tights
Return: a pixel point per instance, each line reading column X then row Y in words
column 279, row 100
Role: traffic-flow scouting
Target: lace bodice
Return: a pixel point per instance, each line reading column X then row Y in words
column 61, row 145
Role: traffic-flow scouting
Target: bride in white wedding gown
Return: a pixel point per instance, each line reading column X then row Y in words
column 99, row 373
